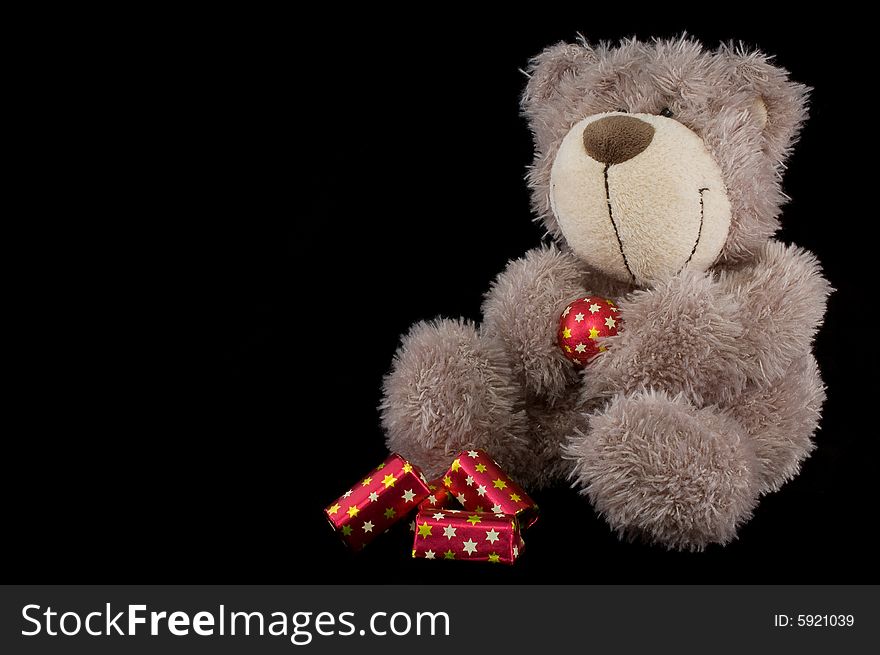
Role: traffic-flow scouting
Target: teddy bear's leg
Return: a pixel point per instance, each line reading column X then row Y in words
column 781, row 418
column 452, row 388
column 661, row 469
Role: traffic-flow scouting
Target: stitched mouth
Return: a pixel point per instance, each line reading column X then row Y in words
column 617, row 230
column 699, row 232
column 614, row 222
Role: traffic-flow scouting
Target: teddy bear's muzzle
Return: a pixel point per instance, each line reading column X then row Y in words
column 639, row 197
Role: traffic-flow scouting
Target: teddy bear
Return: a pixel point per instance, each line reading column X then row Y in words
column 657, row 175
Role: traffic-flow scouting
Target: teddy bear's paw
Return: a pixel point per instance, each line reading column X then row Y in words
column 451, row 388
column 661, row 470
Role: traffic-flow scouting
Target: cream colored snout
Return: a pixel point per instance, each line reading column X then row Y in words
column 639, row 197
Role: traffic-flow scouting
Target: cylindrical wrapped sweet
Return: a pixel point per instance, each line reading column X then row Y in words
column 479, row 484
column 463, row 535
column 439, row 498
column 387, row 494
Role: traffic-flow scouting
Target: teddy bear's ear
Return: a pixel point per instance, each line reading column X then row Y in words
column 776, row 104
column 549, row 71
column 552, row 81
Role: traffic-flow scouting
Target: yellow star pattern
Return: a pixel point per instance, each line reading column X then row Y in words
column 346, row 530
column 567, row 349
column 515, row 498
column 333, row 508
column 594, row 333
column 390, row 512
column 353, row 511
column 389, row 481
column 447, row 481
column 499, row 483
column 602, row 349
column 481, row 468
column 456, row 464
column 367, row 481
column 494, row 557
column 449, row 554
column 473, row 519
column 424, row 530
column 566, row 333
column 407, row 468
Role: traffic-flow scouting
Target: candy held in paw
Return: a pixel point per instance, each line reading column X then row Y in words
column 583, row 324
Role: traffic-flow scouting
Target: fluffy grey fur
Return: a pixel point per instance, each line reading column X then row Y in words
column 658, row 467
column 710, row 395
column 450, row 389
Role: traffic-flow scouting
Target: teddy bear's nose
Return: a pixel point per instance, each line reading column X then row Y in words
column 615, row 139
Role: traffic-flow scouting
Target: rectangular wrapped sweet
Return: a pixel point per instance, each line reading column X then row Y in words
column 462, row 535
column 387, row 494
column 479, row 484
column 439, row 497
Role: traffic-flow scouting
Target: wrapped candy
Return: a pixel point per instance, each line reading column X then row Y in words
column 439, row 498
column 382, row 498
column 479, row 484
column 462, row 535
column 583, row 323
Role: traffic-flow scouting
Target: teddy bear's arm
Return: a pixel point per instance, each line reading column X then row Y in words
column 522, row 309
column 782, row 298
column 710, row 337
column 680, row 336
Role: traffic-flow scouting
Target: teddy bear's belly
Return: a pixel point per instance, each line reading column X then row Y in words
column 550, row 426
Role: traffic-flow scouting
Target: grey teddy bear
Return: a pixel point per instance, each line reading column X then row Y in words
column 657, row 174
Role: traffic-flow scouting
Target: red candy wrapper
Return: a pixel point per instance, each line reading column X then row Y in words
column 584, row 322
column 439, row 498
column 462, row 535
column 387, row 494
column 479, row 484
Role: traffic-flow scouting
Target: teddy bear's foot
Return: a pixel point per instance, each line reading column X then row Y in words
column 660, row 469
column 451, row 388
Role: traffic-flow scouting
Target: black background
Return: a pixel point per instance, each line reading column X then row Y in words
column 256, row 207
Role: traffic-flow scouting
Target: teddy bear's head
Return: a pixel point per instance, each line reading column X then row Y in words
column 652, row 158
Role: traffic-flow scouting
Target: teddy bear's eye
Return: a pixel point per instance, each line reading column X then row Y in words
column 666, row 111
